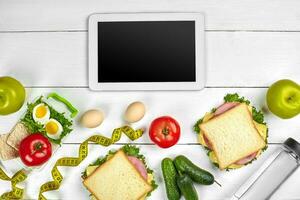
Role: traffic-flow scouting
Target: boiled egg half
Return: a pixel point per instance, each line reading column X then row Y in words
column 41, row 113
column 53, row 129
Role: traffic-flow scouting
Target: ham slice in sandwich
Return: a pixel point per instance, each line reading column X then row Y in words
column 232, row 135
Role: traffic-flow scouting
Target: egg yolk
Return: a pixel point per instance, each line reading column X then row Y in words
column 51, row 128
column 41, row 111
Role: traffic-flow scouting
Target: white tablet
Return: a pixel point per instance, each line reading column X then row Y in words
column 146, row 51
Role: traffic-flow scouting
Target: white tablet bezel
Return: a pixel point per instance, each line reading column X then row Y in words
column 199, row 51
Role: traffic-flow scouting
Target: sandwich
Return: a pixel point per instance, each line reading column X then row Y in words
column 120, row 175
column 234, row 134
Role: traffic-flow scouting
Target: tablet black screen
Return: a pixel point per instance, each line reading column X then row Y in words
column 146, row 51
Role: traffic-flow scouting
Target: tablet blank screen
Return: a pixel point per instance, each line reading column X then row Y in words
column 146, row 51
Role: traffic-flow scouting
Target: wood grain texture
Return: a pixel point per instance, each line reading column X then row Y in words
column 29, row 15
column 233, row 59
column 249, row 43
column 72, row 186
column 45, row 59
column 186, row 107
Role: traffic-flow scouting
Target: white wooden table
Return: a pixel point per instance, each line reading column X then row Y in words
column 249, row 45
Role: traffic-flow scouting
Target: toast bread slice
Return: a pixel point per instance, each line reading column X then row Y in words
column 6, row 151
column 117, row 179
column 233, row 135
column 17, row 134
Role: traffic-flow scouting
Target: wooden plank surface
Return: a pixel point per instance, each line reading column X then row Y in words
column 234, row 59
column 29, row 15
column 72, row 186
column 186, row 107
column 249, row 45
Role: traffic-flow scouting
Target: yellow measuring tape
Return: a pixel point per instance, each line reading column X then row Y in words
column 16, row 193
column 83, row 152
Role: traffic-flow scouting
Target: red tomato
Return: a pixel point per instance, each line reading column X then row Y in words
column 164, row 131
column 35, row 150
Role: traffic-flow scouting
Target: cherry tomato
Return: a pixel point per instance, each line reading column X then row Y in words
column 35, row 150
column 164, row 131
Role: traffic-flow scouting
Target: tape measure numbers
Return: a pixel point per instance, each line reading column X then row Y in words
column 83, row 153
column 15, row 193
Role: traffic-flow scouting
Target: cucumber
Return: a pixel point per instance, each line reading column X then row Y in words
column 201, row 176
column 186, row 187
column 170, row 175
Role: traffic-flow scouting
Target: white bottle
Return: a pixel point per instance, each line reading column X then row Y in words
column 262, row 184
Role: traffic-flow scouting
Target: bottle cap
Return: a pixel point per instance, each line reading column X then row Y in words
column 293, row 146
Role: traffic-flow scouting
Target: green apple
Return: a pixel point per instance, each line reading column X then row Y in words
column 283, row 98
column 12, row 95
